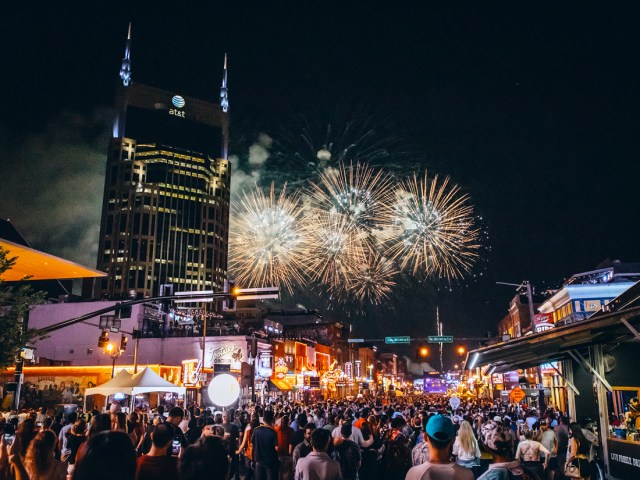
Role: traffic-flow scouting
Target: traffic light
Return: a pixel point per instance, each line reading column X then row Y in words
column 123, row 343
column 422, row 352
column 233, row 293
column 461, row 350
column 103, row 341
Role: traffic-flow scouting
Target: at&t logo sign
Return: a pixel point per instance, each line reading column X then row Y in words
column 178, row 102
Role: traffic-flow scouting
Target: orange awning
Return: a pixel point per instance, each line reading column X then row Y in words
column 281, row 384
column 37, row 265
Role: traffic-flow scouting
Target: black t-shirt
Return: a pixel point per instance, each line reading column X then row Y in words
column 297, row 437
column 265, row 440
column 234, row 433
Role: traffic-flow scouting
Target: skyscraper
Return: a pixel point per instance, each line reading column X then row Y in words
column 165, row 214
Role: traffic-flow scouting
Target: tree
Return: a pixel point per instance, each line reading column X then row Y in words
column 15, row 303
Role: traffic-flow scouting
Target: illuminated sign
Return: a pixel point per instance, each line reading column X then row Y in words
column 178, row 101
column 543, row 322
column 281, row 368
column 224, row 390
column 190, row 372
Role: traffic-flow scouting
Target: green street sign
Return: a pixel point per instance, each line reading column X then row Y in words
column 440, row 338
column 396, row 340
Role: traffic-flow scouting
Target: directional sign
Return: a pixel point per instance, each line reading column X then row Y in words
column 517, row 395
column 395, row 340
column 355, row 340
column 440, row 338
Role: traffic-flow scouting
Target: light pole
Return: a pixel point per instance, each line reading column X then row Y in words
column 526, row 284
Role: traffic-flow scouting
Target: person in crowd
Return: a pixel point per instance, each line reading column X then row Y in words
column 549, row 440
column 265, row 449
column 396, row 457
column 135, row 428
column 304, row 448
column 75, row 438
column 108, row 455
column 420, row 453
column 466, row 448
column 205, row 459
column 440, row 434
column 285, row 433
column 578, row 451
column 529, row 452
column 247, row 447
column 349, row 451
column 562, row 434
column 231, row 435
column 317, row 465
column 157, row 464
column 62, row 435
column 39, row 462
column 496, row 439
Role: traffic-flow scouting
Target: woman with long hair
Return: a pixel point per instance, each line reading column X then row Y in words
column 246, row 447
column 40, row 462
column 466, row 448
column 578, row 451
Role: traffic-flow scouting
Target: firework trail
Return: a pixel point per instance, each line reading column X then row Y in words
column 434, row 231
column 268, row 244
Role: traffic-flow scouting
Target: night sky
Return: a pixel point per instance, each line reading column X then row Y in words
column 533, row 110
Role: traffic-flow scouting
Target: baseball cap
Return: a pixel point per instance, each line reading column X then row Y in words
column 497, row 418
column 396, row 414
column 440, row 428
column 543, row 422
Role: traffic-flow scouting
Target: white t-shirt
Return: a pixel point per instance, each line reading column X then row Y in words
column 439, row 471
column 356, row 435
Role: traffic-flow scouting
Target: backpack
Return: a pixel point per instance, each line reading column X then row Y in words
column 397, row 455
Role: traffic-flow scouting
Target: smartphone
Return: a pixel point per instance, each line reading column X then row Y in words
column 175, row 448
column 8, row 438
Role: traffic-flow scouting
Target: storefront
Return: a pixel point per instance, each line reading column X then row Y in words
column 597, row 361
column 52, row 386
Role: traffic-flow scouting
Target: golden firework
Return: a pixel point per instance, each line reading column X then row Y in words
column 268, row 245
column 433, row 230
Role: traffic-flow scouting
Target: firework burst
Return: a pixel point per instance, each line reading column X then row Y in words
column 335, row 252
column 374, row 279
column 268, row 244
column 433, row 232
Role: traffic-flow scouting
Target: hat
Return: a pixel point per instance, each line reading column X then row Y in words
column 543, row 422
column 497, row 418
column 495, row 435
column 396, row 414
column 440, row 428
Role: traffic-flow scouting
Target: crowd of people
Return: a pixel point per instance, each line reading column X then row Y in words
column 418, row 440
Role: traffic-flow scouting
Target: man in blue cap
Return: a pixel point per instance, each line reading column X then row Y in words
column 440, row 434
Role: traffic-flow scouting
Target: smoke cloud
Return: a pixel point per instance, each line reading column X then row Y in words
column 54, row 183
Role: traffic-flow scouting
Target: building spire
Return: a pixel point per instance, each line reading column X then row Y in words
column 224, row 94
column 125, row 69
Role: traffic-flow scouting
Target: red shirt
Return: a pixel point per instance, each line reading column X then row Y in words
column 157, row 468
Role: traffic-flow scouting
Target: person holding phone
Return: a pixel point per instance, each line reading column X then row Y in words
column 157, row 465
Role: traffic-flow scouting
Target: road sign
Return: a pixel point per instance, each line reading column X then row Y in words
column 517, row 395
column 440, row 338
column 355, row 340
column 395, row 340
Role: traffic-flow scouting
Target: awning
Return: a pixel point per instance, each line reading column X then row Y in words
column 37, row 265
column 277, row 384
column 558, row 343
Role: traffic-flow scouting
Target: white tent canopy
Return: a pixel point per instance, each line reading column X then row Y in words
column 145, row 381
column 117, row 384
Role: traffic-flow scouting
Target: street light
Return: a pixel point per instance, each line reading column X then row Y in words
column 115, row 352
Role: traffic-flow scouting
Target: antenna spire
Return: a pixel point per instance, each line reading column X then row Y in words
column 125, row 69
column 224, row 93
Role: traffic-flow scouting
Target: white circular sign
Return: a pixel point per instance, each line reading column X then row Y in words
column 224, row 390
column 454, row 402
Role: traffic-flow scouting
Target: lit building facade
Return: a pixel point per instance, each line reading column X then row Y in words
column 165, row 214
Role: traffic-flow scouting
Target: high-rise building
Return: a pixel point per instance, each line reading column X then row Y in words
column 165, row 214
